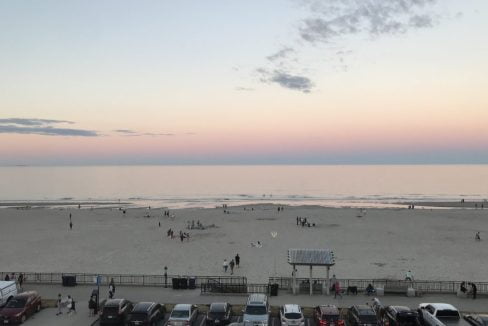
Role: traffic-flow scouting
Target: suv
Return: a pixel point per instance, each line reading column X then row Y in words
column 399, row 316
column 115, row 312
column 361, row 315
column 146, row 313
column 327, row 315
column 291, row 314
column 257, row 310
column 219, row 313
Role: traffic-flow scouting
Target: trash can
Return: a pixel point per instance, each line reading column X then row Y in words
column 183, row 283
column 273, row 290
column 176, row 283
column 192, row 283
column 69, row 280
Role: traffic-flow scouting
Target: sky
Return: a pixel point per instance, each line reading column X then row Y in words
column 243, row 82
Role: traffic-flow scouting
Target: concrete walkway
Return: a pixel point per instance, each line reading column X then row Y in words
column 82, row 293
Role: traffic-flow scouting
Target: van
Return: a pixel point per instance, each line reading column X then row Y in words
column 7, row 290
column 256, row 312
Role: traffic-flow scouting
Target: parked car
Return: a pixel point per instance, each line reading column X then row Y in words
column 477, row 320
column 256, row 312
column 115, row 312
column 291, row 315
column 183, row 315
column 328, row 315
column 146, row 314
column 219, row 313
column 440, row 314
column 361, row 315
column 399, row 316
column 20, row 307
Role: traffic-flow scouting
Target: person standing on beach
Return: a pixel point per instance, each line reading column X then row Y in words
column 231, row 264
column 238, row 260
column 474, row 289
column 71, row 225
column 225, row 265
column 20, row 280
column 111, row 289
column 477, row 237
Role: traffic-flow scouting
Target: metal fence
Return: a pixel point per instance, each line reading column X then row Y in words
column 216, row 288
column 123, row 279
column 423, row 286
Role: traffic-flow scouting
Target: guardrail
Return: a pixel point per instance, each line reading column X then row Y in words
column 216, row 288
column 423, row 286
column 122, row 279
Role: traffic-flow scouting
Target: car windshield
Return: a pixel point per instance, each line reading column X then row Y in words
column 293, row 315
column 180, row 314
column 447, row 313
column 137, row 317
column 111, row 310
column 256, row 310
column 216, row 314
column 16, row 303
column 368, row 319
column 330, row 318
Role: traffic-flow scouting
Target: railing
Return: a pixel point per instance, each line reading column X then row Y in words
column 216, row 288
column 123, row 279
column 285, row 283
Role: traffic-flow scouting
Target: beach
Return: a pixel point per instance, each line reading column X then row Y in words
column 435, row 244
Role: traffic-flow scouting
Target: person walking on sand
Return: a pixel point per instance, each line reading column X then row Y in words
column 231, row 264
column 477, row 237
column 225, row 265
column 238, row 260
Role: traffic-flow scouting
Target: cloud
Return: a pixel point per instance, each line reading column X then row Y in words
column 286, row 80
column 240, row 88
column 132, row 133
column 281, row 54
column 41, row 127
column 32, row 122
column 334, row 19
column 46, row 130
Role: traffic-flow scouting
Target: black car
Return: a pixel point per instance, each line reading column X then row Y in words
column 399, row 316
column 115, row 312
column 477, row 320
column 219, row 313
column 361, row 315
column 146, row 313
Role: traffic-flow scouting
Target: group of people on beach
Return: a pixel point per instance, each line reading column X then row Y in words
column 233, row 263
column 303, row 221
column 182, row 235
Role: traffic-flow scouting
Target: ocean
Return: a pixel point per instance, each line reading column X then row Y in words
column 209, row 186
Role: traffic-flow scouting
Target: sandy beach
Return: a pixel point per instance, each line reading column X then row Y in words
column 383, row 243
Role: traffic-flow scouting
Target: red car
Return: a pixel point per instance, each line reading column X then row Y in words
column 328, row 315
column 19, row 307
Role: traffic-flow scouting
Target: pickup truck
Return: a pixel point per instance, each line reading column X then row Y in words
column 440, row 314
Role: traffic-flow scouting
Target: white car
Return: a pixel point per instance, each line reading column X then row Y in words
column 183, row 315
column 291, row 315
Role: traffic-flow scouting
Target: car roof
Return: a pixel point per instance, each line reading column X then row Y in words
column 363, row 308
column 256, row 298
column 218, row 306
column 182, row 306
column 143, row 306
column 6, row 283
column 441, row 306
column 292, row 308
column 329, row 309
column 113, row 302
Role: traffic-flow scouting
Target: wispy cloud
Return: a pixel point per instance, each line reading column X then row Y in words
column 132, row 133
column 42, row 127
column 286, row 80
column 330, row 23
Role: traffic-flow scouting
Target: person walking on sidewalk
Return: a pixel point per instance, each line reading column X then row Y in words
column 225, row 265
column 231, row 264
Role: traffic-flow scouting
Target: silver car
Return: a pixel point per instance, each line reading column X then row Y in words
column 183, row 315
column 291, row 315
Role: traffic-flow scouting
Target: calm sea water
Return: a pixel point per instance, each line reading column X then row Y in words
column 207, row 186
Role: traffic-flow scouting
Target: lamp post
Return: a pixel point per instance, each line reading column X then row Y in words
column 165, row 276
